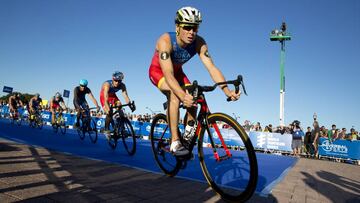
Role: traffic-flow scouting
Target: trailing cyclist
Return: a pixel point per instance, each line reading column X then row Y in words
column 108, row 97
column 14, row 103
column 80, row 101
column 34, row 105
column 57, row 104
column 173, row 49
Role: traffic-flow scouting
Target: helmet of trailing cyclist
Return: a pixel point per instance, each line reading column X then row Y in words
column 83, row 82
column 117, row 75
column 188, row 15
column 37, row 95
column 17, row 95
column 57, row 95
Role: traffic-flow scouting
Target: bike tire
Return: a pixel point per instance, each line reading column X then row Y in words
column 19, row 121
column 55, row 127
column 113, row 140
column 160, row 145
column 62, row 126
column 241, row 166
column 92, row 131
column 39, row 122
column 128, row 137
column 80, row 129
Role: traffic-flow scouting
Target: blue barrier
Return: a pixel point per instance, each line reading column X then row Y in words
column 260, row 140
column 345, row 149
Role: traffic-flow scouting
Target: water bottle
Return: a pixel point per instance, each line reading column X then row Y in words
column 189, row 133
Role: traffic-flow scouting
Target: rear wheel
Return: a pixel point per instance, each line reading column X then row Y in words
column 128, row 136
column 92, row 131
column 232, row 174
column 160, row 143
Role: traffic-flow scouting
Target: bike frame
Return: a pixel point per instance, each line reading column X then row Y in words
column 202, row 122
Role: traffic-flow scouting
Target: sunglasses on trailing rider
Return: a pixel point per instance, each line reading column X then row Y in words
column 186, row 27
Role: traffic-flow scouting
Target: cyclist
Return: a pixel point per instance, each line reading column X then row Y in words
column 34, row 105
column 57, row 104
column 80, row 101
column 108, row 96
column 173, row 49
column 14, row 103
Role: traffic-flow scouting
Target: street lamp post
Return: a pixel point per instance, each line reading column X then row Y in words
column 281, row 36
column 152, row 112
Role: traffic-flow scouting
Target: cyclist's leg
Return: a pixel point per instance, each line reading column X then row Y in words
column 173, row 119
column 78, row 113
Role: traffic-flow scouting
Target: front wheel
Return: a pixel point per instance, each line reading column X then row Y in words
column 128, row 136
column 160, row 143
column 232, row 173
column 113, row 137
column 80, row 129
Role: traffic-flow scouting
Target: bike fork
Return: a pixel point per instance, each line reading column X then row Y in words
column 216, row 154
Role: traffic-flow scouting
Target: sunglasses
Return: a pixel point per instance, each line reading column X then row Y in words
column 82, row 86
column 116, row 80
column 195, row 28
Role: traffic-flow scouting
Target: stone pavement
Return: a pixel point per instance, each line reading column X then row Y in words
column 35, row 174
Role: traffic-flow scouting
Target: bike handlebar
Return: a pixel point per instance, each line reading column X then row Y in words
column 131, row 106
column 198, row 89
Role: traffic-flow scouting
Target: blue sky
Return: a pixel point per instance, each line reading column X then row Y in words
column 48, row 46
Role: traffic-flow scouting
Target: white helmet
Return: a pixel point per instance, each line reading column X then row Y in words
column 188, row 15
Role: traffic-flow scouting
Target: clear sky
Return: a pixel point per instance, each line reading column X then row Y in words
column 48, row 46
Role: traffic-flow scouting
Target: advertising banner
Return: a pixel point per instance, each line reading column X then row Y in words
column 346, row 149
column 271, row 141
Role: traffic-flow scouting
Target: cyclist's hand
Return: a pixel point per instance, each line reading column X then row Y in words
column 106, row 109
column 233, row 96
column 132, row 107
column 188, row 100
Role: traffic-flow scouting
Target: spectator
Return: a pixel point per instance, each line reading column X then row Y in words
column 297, row 134
column 247, row 125
column 353, row 134
column 315, row 133
column 270, row 128
column 342, row 134
column 307, row 142
column 331, row 132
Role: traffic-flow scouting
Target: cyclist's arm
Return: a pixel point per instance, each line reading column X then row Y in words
column 51, row 105
column 106, row 97
column 31, row 104
column 62, row 104
column 21, row 103
column 214, row 72
column 125, row 94
column 164, row 48
column 93, row 99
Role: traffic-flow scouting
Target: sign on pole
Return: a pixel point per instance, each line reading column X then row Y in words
column 7, row 89
column 66, row 93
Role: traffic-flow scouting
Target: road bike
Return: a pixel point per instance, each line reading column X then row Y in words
column 59, row 123
column 36, row 120
column 231, row 173
column 120, row 127
column 87, row 125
